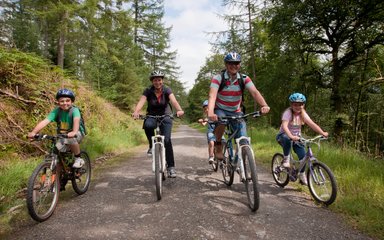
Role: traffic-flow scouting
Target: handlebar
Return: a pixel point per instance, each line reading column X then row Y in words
column 255, row 114
column 143, row 117
column 316, row 140
column 40, row 137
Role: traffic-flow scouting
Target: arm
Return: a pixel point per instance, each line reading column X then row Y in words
column 211, row 103
column 284, row 125
column 139, row 106
column 38, row 127
column 75, row 127
column 259, row 99
column 315, row 127
column 175, row 104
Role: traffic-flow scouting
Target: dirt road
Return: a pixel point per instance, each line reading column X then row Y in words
column 121, row 204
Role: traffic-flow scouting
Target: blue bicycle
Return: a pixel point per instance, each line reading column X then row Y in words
column 240, row 160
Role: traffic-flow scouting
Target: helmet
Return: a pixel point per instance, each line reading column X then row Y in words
column 297, row 97
column 65, row 93
column 232, row 57
column 156, row 73
column 205, row 103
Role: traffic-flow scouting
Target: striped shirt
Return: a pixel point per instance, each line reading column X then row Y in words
column 229, row 98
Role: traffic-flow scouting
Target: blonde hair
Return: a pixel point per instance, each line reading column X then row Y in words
column 302, row 114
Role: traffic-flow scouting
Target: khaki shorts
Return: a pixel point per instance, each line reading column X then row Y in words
column 63, row 143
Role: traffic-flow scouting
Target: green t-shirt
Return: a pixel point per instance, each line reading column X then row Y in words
column 66, row 124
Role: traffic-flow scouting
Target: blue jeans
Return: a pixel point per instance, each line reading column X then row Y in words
column 286, row 143
column 234, row 124
column 165, row 129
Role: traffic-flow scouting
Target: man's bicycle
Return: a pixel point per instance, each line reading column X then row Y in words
column 159, row 164
column 51, row 176
column 241, row 160
column 321, row 181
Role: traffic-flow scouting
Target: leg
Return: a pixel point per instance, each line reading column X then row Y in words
column 286, row 143
column 149, row 128
column 166, row 129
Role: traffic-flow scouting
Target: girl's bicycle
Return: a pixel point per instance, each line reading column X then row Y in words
column 51, row 176
column 159, row 164
column 241, row 160
column 321, row 181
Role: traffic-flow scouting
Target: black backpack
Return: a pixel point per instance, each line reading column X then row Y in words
column 241, row 84
column 82, row 123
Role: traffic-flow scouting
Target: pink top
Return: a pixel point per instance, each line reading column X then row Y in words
column 294, row 123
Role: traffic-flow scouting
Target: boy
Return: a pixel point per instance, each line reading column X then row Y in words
column 71, row 127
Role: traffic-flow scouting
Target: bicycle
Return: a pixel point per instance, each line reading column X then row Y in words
column 51, row 176
column 159, row 164
column 242, row 161
column 321, row 181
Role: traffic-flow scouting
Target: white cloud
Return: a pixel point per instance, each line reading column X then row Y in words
column 190, row 20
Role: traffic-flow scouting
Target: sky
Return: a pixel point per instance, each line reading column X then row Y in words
column 190, row 20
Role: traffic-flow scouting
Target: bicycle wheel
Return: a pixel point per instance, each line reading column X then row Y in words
column 215, row 164
column 158, row 172
column 251, row 181
column 82, row 176
column 322, row 183
column 42, row 192
column 280, row 174
column 226, row 168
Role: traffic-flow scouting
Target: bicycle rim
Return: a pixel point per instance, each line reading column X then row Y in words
column 322, row 183
column 251, row 181
column 82, row 176
column 158, row 172
column 280, row 174
column 226, row 169
column 43, row 192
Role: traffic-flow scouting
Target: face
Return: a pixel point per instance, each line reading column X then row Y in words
column 205, row 109
column 157, row 82
column 297, row 106
column 232, row 67
column 65, row 103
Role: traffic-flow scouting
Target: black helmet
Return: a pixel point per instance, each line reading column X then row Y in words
column 156, row 73
column 232, row 57
column 65, row 93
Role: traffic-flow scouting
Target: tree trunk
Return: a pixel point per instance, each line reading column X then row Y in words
column 61, row 42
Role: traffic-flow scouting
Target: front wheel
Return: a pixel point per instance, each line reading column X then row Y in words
column 158, row 173
column 82, row 176
column 251, row 181
column 322, row 183
column 279, row 173
column 42, row 192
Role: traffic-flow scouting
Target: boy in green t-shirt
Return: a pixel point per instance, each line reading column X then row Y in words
column 71, row 127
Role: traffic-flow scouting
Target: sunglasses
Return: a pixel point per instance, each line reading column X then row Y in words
column 233, row 63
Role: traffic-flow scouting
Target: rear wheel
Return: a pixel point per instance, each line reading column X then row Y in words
column 322, row 183
column 251, row 181
column 279, row 173
column 43, row 192
column 158, row 173
column 82, row 176
column 226, row 168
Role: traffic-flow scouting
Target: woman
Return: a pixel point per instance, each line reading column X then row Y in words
column 158, row 98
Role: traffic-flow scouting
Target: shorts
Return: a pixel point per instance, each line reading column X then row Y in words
column 210, row 135
column 63, row 144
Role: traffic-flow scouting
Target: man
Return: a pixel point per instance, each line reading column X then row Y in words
column 226, row 101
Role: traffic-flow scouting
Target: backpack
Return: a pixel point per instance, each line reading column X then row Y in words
column 241, row 84
column 82, row 123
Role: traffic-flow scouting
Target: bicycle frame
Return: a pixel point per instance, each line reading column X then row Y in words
column 158, row 139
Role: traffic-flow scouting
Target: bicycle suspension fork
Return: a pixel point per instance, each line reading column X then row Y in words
column 158, row 140
column 239, row 155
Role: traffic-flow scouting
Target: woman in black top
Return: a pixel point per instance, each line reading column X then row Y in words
column 158, row 97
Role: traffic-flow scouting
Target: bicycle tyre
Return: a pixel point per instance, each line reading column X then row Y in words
column 81, row 178
column 322, row 183
column 251, row 181
column 280, row 175
column 226, row 168
column 215, row 164
column 42, row 192
column 158, row 172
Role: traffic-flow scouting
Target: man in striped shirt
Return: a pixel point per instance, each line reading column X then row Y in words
column 227, row 101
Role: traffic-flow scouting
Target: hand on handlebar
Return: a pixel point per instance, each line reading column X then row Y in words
column 265, row 109
column 136, row 115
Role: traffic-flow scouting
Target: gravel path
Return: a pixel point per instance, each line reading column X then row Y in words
column 122, row 204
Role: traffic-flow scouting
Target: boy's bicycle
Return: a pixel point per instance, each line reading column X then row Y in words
column 159, row 164
column 321, row 181
column 241, row 160
column 51, row 176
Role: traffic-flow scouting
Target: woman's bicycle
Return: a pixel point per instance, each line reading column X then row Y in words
column 159, row 164
column 51, row 176
column 241, row 160
column 321, row 181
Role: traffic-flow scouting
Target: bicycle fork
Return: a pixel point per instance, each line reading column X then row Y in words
column 155, row 141
column 239, row 155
